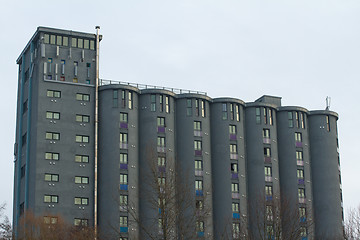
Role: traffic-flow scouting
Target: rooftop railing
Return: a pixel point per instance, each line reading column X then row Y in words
column 104, row 82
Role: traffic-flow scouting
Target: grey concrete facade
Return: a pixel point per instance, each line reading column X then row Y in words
column 224, row 153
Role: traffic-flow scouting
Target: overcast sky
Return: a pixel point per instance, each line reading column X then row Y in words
column 300, row 50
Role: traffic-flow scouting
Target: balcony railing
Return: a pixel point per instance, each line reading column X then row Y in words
column 199, row 192
column 298, row 144
column 235, row 195
column 197, row 133
column 301, row 181
column 266, row 140
column 123, row 166
column 124, row 125
column 124, row 187
column 161, row 149
column 234, row 175
column 123, row 145
column 198, row 153
column 268, row 178
column 302, row 200
column 161, row 129
column 300, row 162
column 234, row 156
column 233, row 137
column 236, row 215
column 267, row 159
column 199, row 173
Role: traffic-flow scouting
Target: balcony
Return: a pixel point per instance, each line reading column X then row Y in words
column 268, row 178
column 267, row 159
column 200, row 234
column 123, row 145
column 162, row 169
column 233, row 137
column 198, row 153
column 235, row 195
column 234, row 175
column 199, row 173
column 236, row 215
column 301, row 181
column 199, row 193
column 124, row 187
column 234, row 156
column 124, row 125
column 302, row 200
column 268, row 197
column 161, row 129
column 124, row 229
column 161, row 149
column 123, row 208
column 197, row 133
column 298, row 144
column 123, row 166
column 300, row 162
column 266, row 140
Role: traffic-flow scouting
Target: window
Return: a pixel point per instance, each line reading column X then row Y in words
column 188, row 107
column 267, row 152
column 123, row 201
column 303, row 232
column 52, row 156
column 75, row 80
column 161, row 141
column 22, row 170
column 266, row 133
column 302, row 212
column 300, row 174
column 48, row 177
column 88, row 65
column 130, row 100
column 224, row 111
column 81, row 201
column 203, row 112
column 62, row 67
column 199, row 226
column 297, row 119
column 53, row 115
column 82, row 118
column 234, row 187
column 167, row 104
column 233, row 148
column 301, row 192
column 81, row 180
column 197, row 112
column 49, row 64
column 197, row 145
column 86, row 43
column 153, row 102
column 123, row 158
column 298, row 137
column 235, row 207
column 25, row 106
column 46, row 38
column 76, row 64
column 268, row 172
column 198, row 165
column 161, row 161
column 82, row 158
column 199, row 204
column 271, row 117
column 81, row 139
column 123, row 221
column 65, row 41
column 234, row 167
column 161, row 181
column 290, row 117
column 52, row 39
column 123, row 138
column 232, row 111
column 115, row 98
column 58, row 40
column 50, row 220
column 265, row 115
column 81, row 222
column 236, row 230
column 198, row 184
column 268, row 191
column 123, row 117
column 123, row 178
column 328, row 123
column 160, row 121
column 80, row 43
column 232, row 129
column 123, row 99
column 237, row 113
column 269, row 213
column 51, row 199
column 257, row 115
column 52, row 136
column 197, row 126
column 53, row 93
column 302, row 120
column 161, row 103
column 82, row 97
column 299, row 155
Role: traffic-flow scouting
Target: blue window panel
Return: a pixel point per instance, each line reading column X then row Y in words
column 303, row 219
column 236, row 215
column 268, row 198
column 200, row 234
column 199, row 193
column 304, row 238
column 123, row 187
column 123, row 229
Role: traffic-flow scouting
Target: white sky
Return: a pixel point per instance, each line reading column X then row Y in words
column 300, row 50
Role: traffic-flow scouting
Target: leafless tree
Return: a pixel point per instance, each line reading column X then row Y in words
column 278, row 218
column 352, row 224
column 177, row 212
column 5, row 225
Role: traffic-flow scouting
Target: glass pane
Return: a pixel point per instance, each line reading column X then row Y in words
column 65, row 41
column 46, row 38
column 92, row 45
column 52, row 39
column 59, row 40
column 80, row 43
column 86, row 44
column 73, row 42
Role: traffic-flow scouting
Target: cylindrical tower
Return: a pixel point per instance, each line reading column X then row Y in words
column 326, row 174
column 262, row 162
column 118, row 161
column 294, row 165
column 228, row 165
column 194, row 159
column 157, row 162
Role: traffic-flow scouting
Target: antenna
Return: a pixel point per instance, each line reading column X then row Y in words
column 328, row 102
